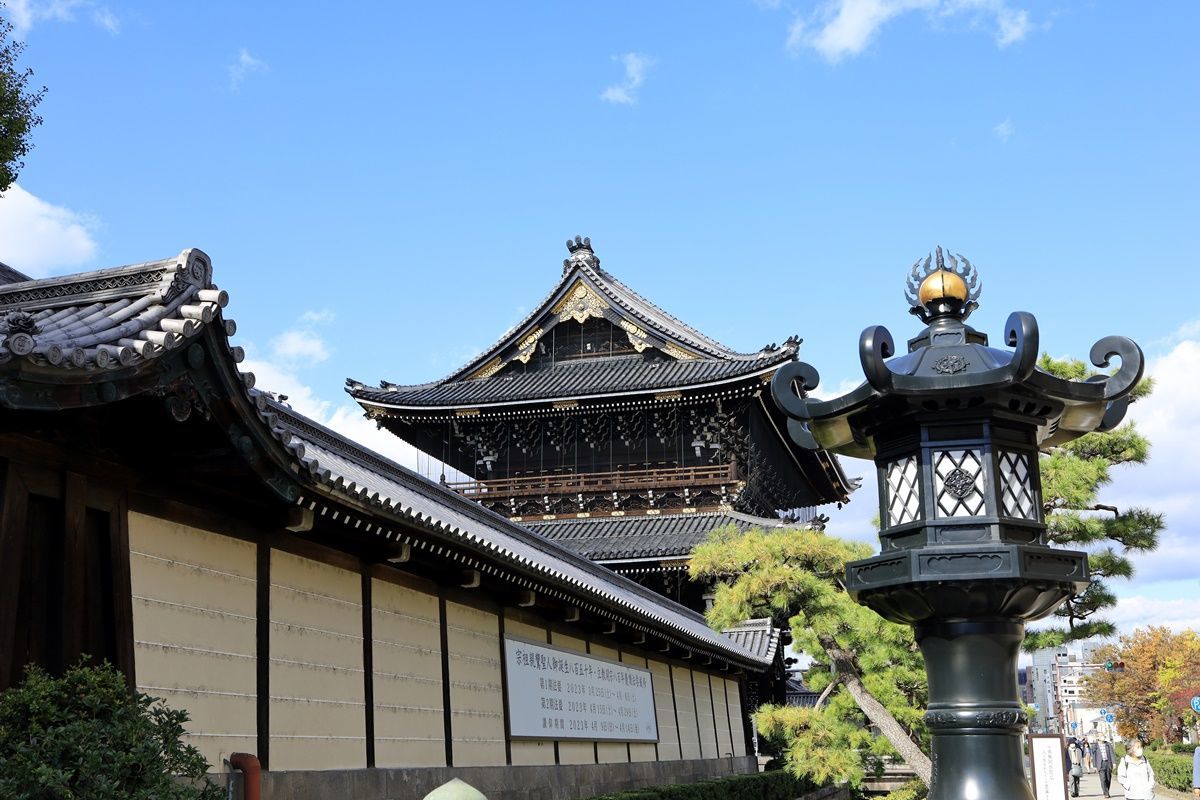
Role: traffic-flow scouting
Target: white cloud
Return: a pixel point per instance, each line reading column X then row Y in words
column 625, row 93
column 297, row 346
column 1142, row 612
column 25, row 14
column 105, row 18
column 317, row 317
column 841, row 28
column 1005, row 130
column 39, row 238
column 243, row 66
column 342, row 416
column 1167, row 482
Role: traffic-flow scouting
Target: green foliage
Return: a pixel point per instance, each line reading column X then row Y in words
column 1172, row 771
column 1072, row 476
column 776, row 785
column 913, row 790
column 793, row 577
column 17, row 108
column 86, row 736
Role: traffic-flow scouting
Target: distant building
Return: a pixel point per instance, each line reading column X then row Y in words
column 1056, row 684
column 607, row 425
column 1025, row 687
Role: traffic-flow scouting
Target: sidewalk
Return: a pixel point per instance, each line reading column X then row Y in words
column 1089, row 786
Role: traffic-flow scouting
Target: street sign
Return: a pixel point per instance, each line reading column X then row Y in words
column 1103, row 711
column 1109, row 718
column 1074, row 725
column 1196, row 704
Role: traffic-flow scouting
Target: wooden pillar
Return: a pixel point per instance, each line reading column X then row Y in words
column 13, row 531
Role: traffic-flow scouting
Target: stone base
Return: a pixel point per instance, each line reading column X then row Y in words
column 564, row 782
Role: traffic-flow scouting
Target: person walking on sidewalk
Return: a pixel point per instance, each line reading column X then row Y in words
column 1196, row 772
column 1104, row 764
column 1075, row 759
column 1135, row 774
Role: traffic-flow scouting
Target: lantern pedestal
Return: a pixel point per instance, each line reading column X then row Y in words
column 975, row 716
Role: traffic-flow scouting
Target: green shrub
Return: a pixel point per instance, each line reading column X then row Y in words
column 1187, row 748
column 776, row 785
column 1172, row 771
column 86, row 736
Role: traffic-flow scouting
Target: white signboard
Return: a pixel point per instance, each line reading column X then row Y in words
column 1049, row 777
column 562, row 694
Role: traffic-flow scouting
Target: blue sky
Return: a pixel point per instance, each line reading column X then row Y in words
column 385, row 188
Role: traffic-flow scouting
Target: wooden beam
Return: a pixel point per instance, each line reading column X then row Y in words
column 263, row 650
column 13, row 532
column 74, row 568
column 300, row 520
column 401, row 554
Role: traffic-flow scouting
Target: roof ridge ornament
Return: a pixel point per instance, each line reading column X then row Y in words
column 581, row 253
column 934, row 291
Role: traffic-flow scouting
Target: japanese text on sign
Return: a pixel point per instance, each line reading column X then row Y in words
column 556, row 694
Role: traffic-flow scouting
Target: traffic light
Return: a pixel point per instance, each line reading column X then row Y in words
column 1109, row 666
column 1120, row 666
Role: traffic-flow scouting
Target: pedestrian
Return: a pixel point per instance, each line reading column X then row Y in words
column 1075, row 759
column 1135, row 774
column 1088, row 748
column 1196, row 772
column 1104, row 764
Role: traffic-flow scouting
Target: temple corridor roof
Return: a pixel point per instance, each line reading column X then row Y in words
column 612, row 539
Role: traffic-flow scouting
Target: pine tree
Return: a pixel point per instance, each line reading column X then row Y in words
column 1072, row 477
column 869, row 671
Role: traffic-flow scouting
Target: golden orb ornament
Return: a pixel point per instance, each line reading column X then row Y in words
column 942, row 285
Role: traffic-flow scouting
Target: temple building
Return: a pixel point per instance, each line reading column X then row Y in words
column 607, row 425
column 359, row 629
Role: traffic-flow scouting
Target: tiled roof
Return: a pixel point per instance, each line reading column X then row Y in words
column 644, row 537
column 574, row 379
column 10, row 275
column 758, row 636
column 111, row 319
column 704, row 359
column 95, row 333
column 344, row 467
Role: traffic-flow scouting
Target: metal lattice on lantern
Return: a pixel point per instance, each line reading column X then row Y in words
column 954, row 428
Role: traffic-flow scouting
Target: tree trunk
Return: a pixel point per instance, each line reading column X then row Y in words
column 846, row 665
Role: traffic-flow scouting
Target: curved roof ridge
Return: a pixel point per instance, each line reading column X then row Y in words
column 651, row 309
column 629, row 301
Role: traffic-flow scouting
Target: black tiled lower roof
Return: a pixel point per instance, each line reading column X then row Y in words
column 758, row 636
column 656, row 536
column 572, row 379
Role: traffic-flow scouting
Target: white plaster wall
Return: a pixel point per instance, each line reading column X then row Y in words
column 407, row 660
column 318, row 718
column 194, row 630
column 476, row 694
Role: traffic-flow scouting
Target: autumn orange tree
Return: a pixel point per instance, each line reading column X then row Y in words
column 1152, row 694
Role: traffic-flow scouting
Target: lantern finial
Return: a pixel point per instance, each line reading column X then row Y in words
column 935, row 290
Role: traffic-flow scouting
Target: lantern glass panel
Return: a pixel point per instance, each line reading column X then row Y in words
column 958, row 483
column 1017, row 498
column 903, row 491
